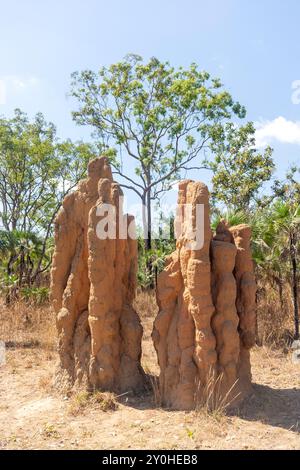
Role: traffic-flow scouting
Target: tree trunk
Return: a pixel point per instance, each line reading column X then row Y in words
column 279, row 283
column 294, row 282
column 38, row 269
column 149, row 222
column 146, row 213
column 146, row 216
column 144, row 220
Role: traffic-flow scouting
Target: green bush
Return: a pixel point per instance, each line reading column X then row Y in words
column 36, row 295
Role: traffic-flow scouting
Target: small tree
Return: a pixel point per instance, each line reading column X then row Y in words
column 160, row 118
column 238, row 169
column 287, row 226
column 19, row 254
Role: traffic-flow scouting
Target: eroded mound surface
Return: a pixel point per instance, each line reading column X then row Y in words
column 93, row 287
column 207, row 318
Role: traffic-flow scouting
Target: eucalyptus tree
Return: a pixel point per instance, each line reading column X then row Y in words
column 239, row 171
column 156, row 122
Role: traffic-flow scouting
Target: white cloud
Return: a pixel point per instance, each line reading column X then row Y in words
column 296, row 93
column 280, row 130
column 13, row 84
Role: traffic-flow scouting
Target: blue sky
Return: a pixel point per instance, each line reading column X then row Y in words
column 253, row 46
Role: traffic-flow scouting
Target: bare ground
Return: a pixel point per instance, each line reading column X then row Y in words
column 34, row 416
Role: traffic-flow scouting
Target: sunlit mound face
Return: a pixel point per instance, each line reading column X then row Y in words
column 99, row 167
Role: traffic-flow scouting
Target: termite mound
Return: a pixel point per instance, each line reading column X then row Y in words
column 207, row 312
column 93, row 283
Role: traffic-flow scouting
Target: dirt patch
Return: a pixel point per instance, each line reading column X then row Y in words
column 33, row 416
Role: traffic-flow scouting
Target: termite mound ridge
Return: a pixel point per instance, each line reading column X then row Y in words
column 207, row 313
column 93, row 283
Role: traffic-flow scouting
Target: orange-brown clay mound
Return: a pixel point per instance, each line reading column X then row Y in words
column 92, row 289
column 206, row 321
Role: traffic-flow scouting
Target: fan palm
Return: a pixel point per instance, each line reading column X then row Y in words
column 286, row 226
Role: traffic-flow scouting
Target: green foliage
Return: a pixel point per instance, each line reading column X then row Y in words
column 233, row 217
column 36, row 172
column 155, row 258
column 160, row 116
column 151, row 262
column 20, row 253
column 275, row 224
column 163, row 119
column 37, row 295
column 8, row 283
column 238, row 169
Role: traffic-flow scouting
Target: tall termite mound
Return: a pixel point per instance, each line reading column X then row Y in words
column 206, row 297
column 93, row 280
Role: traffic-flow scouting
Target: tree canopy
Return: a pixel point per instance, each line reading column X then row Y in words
column 166, row 121
column 36, row 171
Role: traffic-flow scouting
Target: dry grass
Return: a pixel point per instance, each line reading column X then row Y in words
column 274, row 322
column 46, row 383
column 213, row 401
column 146, row 306
column 49, row 431
column 104, row 401
column 154, row 386
column 26, row 326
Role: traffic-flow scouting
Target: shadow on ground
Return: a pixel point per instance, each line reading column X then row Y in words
column 273, row 406
column 31, row 344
